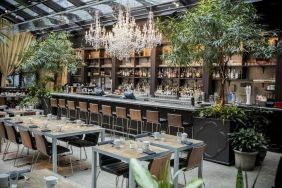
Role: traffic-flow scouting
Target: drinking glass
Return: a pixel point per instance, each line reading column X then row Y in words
column 162, row 135
column 179, row 135
column 139, row 146
column 13, row 179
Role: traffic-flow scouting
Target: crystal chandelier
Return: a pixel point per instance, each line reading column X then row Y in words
column 151, row 36
column 126, row 37
column 96, row 34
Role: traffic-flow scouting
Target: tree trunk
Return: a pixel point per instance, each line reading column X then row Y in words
column 222, row 79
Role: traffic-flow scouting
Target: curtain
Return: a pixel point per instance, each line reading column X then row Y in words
column 11, row 52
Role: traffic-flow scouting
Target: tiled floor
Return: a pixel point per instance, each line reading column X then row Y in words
column 215, row 175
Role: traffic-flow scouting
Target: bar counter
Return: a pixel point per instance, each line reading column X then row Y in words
column 139, row 101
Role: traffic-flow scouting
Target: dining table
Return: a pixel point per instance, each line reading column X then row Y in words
column 174, row 144
column 53, row 128
column 125, row 153
column 23, row 112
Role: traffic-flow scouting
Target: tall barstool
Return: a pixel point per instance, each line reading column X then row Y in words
column 62, row 106
column 71, row 107
column 122, row 116
column 107, row 113
column 135, row 116
column 153, row 119
column 175, row 120
column 94, row 111
column 83, row 109
column 54, row 104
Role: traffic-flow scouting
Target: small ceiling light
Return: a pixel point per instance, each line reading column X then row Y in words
column 6, row 11
column 176, row 4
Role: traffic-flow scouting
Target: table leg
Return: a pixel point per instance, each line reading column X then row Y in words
column 94, row 169
column 176, row 168
column 54, row 154
column 131, row 182
column 200, row 170
column 103, row 135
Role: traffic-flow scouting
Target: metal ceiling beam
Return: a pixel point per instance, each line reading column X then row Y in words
column 11, row 7
column 77, row 3
column 10, row 17
column 54, row 6
column 34, row 8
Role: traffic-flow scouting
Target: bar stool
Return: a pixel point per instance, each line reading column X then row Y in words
column 135, row 115
column 54, row 104
column 175, row 120
column 62, row 106
column 120, row 115
column 82, row 107
column 107, row 113
column 71, row 107
column 94, row 110
column 152, row 118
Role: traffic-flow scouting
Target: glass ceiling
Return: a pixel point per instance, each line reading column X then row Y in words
column 74, row 13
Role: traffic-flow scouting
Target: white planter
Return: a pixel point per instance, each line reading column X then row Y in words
column 245, row 160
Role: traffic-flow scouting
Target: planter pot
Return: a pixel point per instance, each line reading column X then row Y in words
column 214, row 132
column 245, row 160
column 261, row 156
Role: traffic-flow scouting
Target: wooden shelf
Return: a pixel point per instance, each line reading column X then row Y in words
column 191, row 78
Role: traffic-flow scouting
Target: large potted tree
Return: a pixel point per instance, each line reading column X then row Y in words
column 212, row 32
column 49, row 58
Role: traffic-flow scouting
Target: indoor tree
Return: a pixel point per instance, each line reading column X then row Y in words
column 50, row 56
column 212, row 32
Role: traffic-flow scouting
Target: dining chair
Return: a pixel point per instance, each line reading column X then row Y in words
column 82, row 108
column 12, row 137
column 89, row 140
column 193, row 160
column 54, row 105
column 28, row 142
column 120, row 120
column 94, row 111
column 112, row 165
column 135, row 116
column 71, row 108
column 153, row 119
column 45, row 148
column 3, row 135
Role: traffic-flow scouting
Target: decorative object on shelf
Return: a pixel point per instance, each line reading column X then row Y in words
column 195, row 36
column 248, row 94
column 96, row 34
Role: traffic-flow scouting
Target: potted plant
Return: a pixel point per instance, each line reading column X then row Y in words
column 49, row 58
column 145, row 179
column 246, row 144
column 212, row 125
column 212, row 32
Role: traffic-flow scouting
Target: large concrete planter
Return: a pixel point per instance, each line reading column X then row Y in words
column 245, row 160
column 214, row 132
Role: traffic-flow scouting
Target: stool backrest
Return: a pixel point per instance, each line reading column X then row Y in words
column 121, row 112
column 12, row 134
column 94, row 108
column 152, row 116
column 158, row 166
column 54, row 102
column 135, row 115
column 41, row 144
column 2, row 101
column 71, row 105
column 92, row 137
column 3, row 133
column 83, row 106
column 174, row 120
column 195, row 157
column 107, row 110
column 27, row 139
column 62, row 103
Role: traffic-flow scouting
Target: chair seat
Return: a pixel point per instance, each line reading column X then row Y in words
column 182, row 163
column 187, row 124
column 60, row 149
column 70, row 138
column 81, row 143
column 118, row 169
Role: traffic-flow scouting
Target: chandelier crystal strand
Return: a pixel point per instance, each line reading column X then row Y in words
column 96, row 34
column 151, row 36
column 126, row 37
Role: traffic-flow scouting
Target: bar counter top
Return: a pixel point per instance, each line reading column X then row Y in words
column 147, row 101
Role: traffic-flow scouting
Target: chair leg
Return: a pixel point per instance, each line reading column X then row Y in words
column 184, row 177
column 5, row 150
column 18, row 147
column 85, row 153
column 36, row 159
column 16, row 160
column 71, row 165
